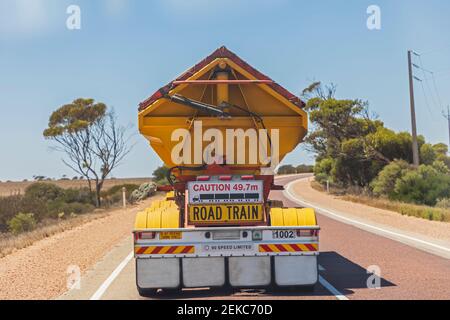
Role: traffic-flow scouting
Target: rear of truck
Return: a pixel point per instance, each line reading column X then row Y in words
column 217, row 225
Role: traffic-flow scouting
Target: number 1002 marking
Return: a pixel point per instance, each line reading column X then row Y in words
column 283, row 234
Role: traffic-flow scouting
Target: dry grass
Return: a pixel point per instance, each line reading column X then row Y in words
column 10, row 188
column 10, row 243
column 333, row 190
column 406, row 209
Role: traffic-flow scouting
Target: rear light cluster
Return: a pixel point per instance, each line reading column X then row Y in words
column 145, row 235
column 307, row 233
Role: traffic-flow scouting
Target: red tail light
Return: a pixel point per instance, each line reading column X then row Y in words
column 225, row 178
column 203, row 178
column 307, row 233
column 248, row 177
column 146, row 235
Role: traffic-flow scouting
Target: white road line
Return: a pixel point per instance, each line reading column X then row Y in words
column 365, row 226
column 105, row 285
column 332, row 289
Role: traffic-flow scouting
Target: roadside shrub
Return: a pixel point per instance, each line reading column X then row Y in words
column 384, row 183
column 115, row 189
column 36, row 205
column 160, row 173
column 441, row 167
column 44, row 191
column 304, row 168
column 443, row 203
column 9, row 207
column 287, row 169
column 114, row 194
column 427, row 154
column 22, row 222
column 12, row 205
column 422, row 186
column 83, row 195
column 57, row 207
column 322, row 170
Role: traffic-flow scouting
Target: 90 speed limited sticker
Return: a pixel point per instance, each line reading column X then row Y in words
column 227, row 247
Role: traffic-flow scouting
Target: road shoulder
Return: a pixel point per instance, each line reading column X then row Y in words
column 42, row 271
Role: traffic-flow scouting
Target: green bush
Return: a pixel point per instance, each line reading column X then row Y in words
column 323, row 169
column 304, row 168
column 427, row 154
column 115, row 189
column 46, row 201
column 162, row 182
column 422, row 186
column 22, row 222
column 11, row 206
column 57, row 207
column 44, row 191
column 114, row 194
column 384, row 183
column 287, row 169
column 83, row 195
column 441, row 167
column 160, row 173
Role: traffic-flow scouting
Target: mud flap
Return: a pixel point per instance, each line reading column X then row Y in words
column 158, row 273
column 249, row 271
column 203, row 272
column 296, row 270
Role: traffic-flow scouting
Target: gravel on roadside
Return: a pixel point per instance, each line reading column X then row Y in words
column 40, row 271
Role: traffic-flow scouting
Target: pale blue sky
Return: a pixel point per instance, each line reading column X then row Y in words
column 128, row 49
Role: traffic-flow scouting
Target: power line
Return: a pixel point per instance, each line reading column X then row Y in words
column 426, row 99
column 437, row 91
column 428, row 85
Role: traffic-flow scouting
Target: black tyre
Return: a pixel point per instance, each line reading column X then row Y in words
column 147, row 293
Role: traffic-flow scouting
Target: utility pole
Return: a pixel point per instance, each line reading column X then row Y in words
column 447, row 116
column 415, row 145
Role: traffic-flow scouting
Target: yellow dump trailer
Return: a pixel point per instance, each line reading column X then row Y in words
column 222, row 127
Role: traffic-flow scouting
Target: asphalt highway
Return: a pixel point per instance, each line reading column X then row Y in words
column 356, row 263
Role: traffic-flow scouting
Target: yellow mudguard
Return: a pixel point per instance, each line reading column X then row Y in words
column 161, row 215
column 141, row 220
column 292, row 217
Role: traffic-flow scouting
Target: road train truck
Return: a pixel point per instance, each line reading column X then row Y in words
column 221, row 128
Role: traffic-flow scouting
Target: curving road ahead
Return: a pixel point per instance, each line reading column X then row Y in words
column 406, row 271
